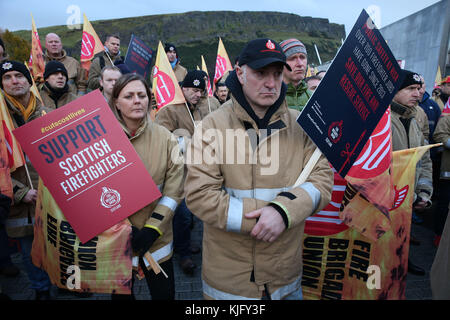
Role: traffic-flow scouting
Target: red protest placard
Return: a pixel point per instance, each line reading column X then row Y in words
column 88, row 164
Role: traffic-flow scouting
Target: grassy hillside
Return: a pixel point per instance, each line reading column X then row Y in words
column 197, row 33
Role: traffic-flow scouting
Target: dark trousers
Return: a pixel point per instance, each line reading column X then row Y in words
column 182, row 221
column 5, row 259
column 441, row 211
column 160, row 287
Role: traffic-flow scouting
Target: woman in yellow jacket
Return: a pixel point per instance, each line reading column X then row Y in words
column 158, row 149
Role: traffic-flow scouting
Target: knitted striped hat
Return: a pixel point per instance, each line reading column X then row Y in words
column 292, row 46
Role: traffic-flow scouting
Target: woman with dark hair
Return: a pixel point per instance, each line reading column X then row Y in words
column 158, row 149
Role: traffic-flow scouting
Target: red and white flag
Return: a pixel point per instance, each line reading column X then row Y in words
column 36, row 56
column 165, row 85
column 15, row 154
column 223, row 63
column 90, row 44
column 446, row 109
column 204, row 68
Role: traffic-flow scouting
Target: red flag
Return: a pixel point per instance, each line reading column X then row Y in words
column 371, row 176
column 327, row 221
column 15, row 154
column 37, row 56
column 34, row 88
column 90, row 45
column 446, row 109
column 165, row 85
column 223, row 63
column 204, row 68
column 336, row 262
column 5, row 175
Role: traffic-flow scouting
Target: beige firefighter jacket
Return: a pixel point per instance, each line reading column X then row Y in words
column 96, row 69
column 442, row 134
column 21, row 217
column 52, row 104
column 159, row 152
column 177, row 119
column 228, row 179
column 402, row 139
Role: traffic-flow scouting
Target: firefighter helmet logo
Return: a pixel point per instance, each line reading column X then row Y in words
column 270, row 45
column 7, row 66
column 109, row 198
column 335, row 131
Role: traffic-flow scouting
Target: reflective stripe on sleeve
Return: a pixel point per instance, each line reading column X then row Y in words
column 221, row 295
column 157, row 255
column 313, row 192
column 20, row 222
column 168, row 202
column 234, row 214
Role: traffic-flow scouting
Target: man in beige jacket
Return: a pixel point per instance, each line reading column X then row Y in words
column 55, row 91
column 174, row 59
column 243, row 162
column 110, row 57
column 55, row 52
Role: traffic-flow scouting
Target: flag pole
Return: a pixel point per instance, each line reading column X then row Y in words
column 107, row 54
column 28, row 174
column 154, row 264
column 209, row 104
column 308, row 168
column 189, row 111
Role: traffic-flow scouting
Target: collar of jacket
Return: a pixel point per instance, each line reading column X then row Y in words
column 403, row 111
column 113, row 57
column 175, row 63
column 18, row 115
column 49, row 58
column 56, row 94
column 273, row 111
column 300, row 89
column 425, row 97
column 139, row 131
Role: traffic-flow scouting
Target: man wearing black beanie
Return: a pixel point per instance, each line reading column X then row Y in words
column 406, row 134
column 174, row 60
column 55, row 91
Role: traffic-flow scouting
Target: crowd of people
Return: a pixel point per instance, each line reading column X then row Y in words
column 253, row 221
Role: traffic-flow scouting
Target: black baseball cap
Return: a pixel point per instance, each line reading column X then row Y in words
column 259, row 53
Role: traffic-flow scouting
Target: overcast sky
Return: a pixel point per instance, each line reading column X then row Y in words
column 15, row 14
